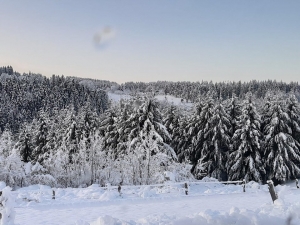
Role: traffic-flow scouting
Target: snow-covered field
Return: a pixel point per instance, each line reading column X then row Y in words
column 207, row 203
column 115, row 97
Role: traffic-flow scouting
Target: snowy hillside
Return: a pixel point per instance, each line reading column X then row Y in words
column 117, row 96
column 207, row 203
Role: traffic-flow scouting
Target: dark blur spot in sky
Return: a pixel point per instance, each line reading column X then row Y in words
column 104, row 37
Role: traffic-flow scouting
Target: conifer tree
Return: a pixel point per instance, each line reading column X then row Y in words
column 293, row 111
column 281, row 149
column 233, row 108
column 245, row 159
column 216, row 143
column 24, row 146
column 184, row 136
column 200, row 143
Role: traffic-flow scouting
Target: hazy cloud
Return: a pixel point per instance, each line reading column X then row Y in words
column 104, row 36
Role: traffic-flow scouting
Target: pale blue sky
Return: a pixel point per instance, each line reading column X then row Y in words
column 153, row 40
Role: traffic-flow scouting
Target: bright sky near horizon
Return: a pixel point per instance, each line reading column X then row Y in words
column 153, row 40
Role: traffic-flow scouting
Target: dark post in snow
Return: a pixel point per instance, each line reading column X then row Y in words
column 119, row 189
column 272, row 190
column 186, row 188
column 297, row 183
column 244, row 185
column 53, row 194
column 1, row 206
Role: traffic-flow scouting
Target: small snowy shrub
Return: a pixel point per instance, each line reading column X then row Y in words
column 7, row 203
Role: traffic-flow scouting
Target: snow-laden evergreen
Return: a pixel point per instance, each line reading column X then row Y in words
column 245, row 160
column 217, row 143
column 181, row 140
column 200, row 142
column 186, row 134
column 293, row 111
column 233, row 108
column 282, row 153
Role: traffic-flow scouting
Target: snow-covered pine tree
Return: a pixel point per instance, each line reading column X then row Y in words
column 216, row 143
column 245, row 159
column 200, row 144
column 181, row 141
column 233, row 108
column 171, row 119
column 6, row 143
column 184, row 135
column 123, row 126
column 148, row 140
column 149, row 112
column 281, row 149
column 293, row 111
column 24, row 145
column 71, row 136
column 40, row 139
column 108, row 128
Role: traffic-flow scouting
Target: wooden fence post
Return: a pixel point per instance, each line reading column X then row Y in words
column 272, row 190
column 186, row 188
column 1, row 205
column 244, row 185
column 53, row 194
column 119, row 189
column 297, row 183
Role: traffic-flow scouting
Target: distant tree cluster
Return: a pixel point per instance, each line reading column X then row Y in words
column 6, row 69
column 22, row 97
column 193, row 91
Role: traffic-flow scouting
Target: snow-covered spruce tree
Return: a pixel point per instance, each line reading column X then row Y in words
column 200, row 144
column 233, row 108
column 293, row 111
column 216, row 143
column 24, row 145
column 71, row 136
column 123, row 126
column 108, row 128
column 181, row 141
column 184, row 134
column 40, row 134
column 6, row 143
column 87, row 123
column 282, row 153
column 171, row 119
column 265, row 118
column 245, row 159
column 148, row 141
column 115, row 127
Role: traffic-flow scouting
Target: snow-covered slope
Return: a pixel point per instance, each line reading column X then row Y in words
column 117, row 96
column 207, row 203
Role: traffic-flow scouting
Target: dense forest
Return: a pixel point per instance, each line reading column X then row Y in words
column 64, row 131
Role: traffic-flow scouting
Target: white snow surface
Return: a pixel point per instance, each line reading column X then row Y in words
column 207, row 203
column 117, row 96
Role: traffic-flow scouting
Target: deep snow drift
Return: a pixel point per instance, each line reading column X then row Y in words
column 207, row 203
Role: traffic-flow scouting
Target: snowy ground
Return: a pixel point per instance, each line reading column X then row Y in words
column 205, row 204
column 117, row 96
